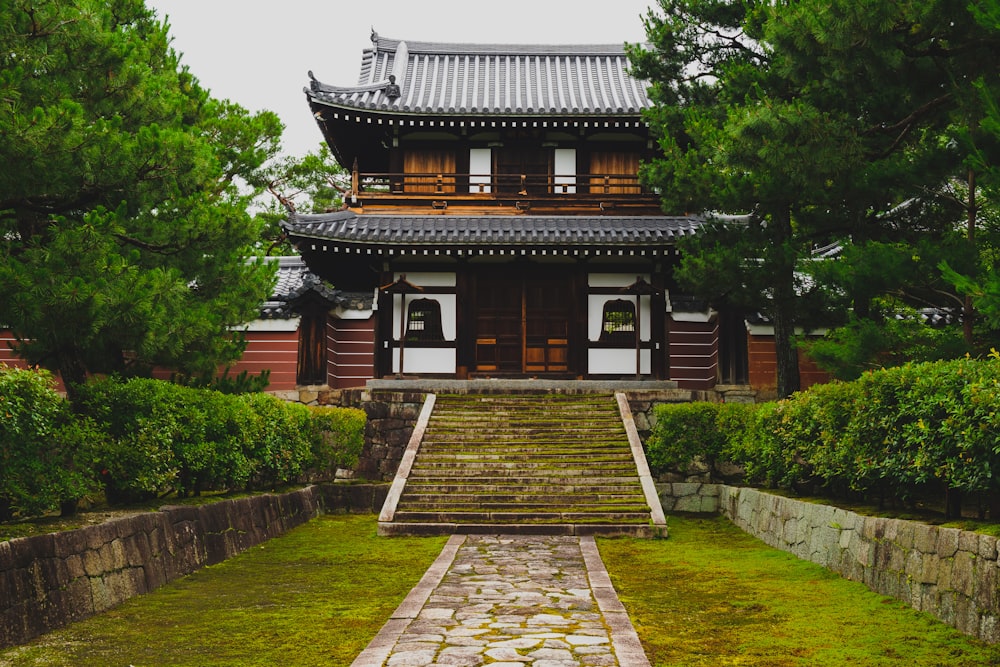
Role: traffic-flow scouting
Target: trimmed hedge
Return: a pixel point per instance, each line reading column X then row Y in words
column 43, row 449
column 141, row 438
column 900, row 432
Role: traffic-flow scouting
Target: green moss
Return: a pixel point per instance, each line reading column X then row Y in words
column 315, row 596
column 712, row 595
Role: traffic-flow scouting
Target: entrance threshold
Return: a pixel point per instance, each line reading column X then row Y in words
column 511, row 385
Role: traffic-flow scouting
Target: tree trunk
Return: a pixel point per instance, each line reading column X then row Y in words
column 783, row 318
column 968, row 311
column 73, row 372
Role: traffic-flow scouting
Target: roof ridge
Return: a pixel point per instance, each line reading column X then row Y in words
column 471, row 48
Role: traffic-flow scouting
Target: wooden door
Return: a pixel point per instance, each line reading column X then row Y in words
column 523, row 170
column 498, row 324
column 522, row 324
column 429, row 170
column 614, row 172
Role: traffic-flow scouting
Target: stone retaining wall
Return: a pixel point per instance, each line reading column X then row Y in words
column 689, row 497
column 48, row 581
column 948, row 573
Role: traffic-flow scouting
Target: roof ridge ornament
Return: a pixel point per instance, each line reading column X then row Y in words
column 392, row 90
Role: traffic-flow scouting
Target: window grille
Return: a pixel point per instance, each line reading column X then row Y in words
column 423, row 321
column 618, row 322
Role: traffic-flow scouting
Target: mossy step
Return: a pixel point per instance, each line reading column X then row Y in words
column 491, row 506
column 521, row 517
column 474, row 488
column 540, row 457
column 521, row 471
column 637, row 530
column 503, row 496
column 501, row 445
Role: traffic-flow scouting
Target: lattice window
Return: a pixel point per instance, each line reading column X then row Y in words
column 423, row 321
column 618, row 322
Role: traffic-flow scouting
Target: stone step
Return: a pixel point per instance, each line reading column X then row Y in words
column 547, row 459
column 594, row 477
column 505, row 497
column 523, row 476
column 645, row 531
column 562, row 463
column 506, row 517
column 525, row 508
column 475, row 488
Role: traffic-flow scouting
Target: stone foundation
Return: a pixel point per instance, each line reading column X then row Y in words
column 48, row 581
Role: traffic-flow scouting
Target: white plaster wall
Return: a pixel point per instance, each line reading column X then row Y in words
column 616, row 362
column 427, row 360
column 449, row 302
column 595, row 312
column 480, row 166
column 291, row 324
column 565, row 170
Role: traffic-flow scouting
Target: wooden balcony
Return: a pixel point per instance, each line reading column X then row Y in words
column 501, row 194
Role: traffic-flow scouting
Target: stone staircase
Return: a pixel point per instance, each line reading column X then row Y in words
column 524, row 464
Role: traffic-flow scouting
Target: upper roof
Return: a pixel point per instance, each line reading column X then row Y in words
column 485, row 233
column 487, row 79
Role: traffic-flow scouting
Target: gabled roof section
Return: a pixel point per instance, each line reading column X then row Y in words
column 487, row 79
column 296, row 282
column 482, row 233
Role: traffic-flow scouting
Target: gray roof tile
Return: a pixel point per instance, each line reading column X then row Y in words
column 486, row 79
column 294, row 281
column 492, row 231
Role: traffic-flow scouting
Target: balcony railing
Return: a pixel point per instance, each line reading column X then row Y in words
column 498, row 184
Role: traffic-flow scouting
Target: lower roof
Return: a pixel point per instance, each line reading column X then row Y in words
column 476, row 233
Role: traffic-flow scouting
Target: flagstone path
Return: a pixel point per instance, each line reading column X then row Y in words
column 510, row 601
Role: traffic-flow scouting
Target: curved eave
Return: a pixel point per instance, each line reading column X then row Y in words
column 357, row 104
column 477, row 236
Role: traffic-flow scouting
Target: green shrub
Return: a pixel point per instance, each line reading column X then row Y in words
column 901, row 432
column 142, row 419
column 277, row 442
column 43, row 450
column 683, row 432
column 338, row 435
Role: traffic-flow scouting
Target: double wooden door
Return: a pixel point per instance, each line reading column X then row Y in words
column 522, row 324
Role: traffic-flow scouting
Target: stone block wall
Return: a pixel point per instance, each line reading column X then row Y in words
column 48, row 581
column 391, row 418
column 949, row 573
column 689, row 497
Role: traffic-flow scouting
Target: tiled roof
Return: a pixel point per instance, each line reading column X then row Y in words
column 295, row 280
column 485, row 79
column 492, row 231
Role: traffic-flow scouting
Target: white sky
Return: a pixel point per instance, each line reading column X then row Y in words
column 257, row 53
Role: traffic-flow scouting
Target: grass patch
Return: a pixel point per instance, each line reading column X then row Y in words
column 315, row 596
column 712, row 595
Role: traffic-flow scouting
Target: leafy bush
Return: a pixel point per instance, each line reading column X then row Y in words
column 337, row 437
column 895, row 433
column 683, row 432
column 165, row 436
column 277, row 442
column 688, row 431
column 43, row 450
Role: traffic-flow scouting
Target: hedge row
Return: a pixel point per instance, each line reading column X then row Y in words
column 139, row 438
column 899, row 432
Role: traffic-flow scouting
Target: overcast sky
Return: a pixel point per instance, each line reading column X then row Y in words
column 257, row 53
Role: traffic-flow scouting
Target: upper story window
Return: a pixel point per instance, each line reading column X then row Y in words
column 618, row 322
column 423, row 321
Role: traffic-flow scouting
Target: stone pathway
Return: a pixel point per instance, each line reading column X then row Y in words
column 510, row 601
